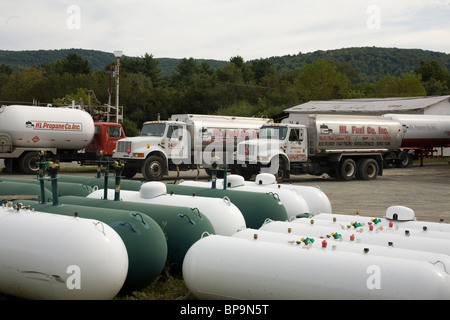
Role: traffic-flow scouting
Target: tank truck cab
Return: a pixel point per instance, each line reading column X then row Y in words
column 276, row 151
column 160, row 145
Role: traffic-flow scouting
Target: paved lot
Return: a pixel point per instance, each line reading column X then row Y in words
column 426, row 190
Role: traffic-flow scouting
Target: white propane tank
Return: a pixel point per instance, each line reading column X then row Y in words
column 315, row 243
column 219, row 267
column 404, row 241
column 47, row 127
column 359, row 227
column 49, row 256
column 225, row 217
column 316, row 199
column 293, row 202
column 386, row 222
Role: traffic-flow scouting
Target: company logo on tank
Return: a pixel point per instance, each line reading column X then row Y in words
column 50, row 125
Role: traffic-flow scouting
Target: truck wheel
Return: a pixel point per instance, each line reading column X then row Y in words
column 153, row 168
column 282, row 173
column 367, row 169
column 29, row 163
column 405, row 159
column 347, row 169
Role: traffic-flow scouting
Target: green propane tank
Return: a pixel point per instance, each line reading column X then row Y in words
column 100, row 182
column 64, row 188
column 255, row 207
column 144, row 240
column 25, row 190
column 182, row 226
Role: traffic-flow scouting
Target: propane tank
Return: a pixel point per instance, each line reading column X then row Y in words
column 316, row 199
column 317, row 243
column 255, row 207
column 294, row 204
column 25, row 190
column 219, row 267
column 224, row 215
column 50, row 256
column 47, row 127
column 361, row 227
column 182, row 226
column 144, row 240
column 313, row 200
column 387, row 221
column 404, row 241
column 64, row 188
column 99, row 183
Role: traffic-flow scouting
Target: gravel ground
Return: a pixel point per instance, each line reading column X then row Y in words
column 425, row 189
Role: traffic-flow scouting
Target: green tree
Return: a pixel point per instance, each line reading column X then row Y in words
column 407, row 85
column 246, row 72
column 261, row 68
column 436, row 78
column 75, row 64
column 146, row 65
column 320, row 80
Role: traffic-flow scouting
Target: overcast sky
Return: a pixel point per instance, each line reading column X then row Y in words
column 221, row 29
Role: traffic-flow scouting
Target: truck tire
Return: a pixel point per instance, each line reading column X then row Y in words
column 347, row 169
column 29, row 163
column 367, row 169
column 282, row 173
column 405, row 159
column 153, row 168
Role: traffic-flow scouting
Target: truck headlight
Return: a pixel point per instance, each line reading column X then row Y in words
column 138, row 155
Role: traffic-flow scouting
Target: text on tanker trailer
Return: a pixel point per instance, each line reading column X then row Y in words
column 422, row 134
column 65, row 134
column 341, row 146
column 185, row 141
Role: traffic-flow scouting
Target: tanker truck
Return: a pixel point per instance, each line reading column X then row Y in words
column 344, row 147
column 422, row 134
column 185, row 142
column 66, row 134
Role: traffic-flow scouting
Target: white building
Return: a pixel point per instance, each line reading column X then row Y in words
column 412, row 105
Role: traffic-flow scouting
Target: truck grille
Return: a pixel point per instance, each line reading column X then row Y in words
column 123, row 146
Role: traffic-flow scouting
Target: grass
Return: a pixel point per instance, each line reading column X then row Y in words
column 165, row 287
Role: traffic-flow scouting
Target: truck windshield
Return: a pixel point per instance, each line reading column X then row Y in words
column 153, row 129
column 273, row 133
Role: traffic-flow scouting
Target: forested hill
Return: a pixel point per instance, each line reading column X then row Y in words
column 371, row 63
column 98, row 60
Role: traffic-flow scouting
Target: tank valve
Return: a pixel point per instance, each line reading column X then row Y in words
column 356, row 224
column 336, row 235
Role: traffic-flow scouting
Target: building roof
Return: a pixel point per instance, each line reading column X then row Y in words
column 380, row 105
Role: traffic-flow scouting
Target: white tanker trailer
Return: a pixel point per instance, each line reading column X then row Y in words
column 61, row 132
column 421, row 135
